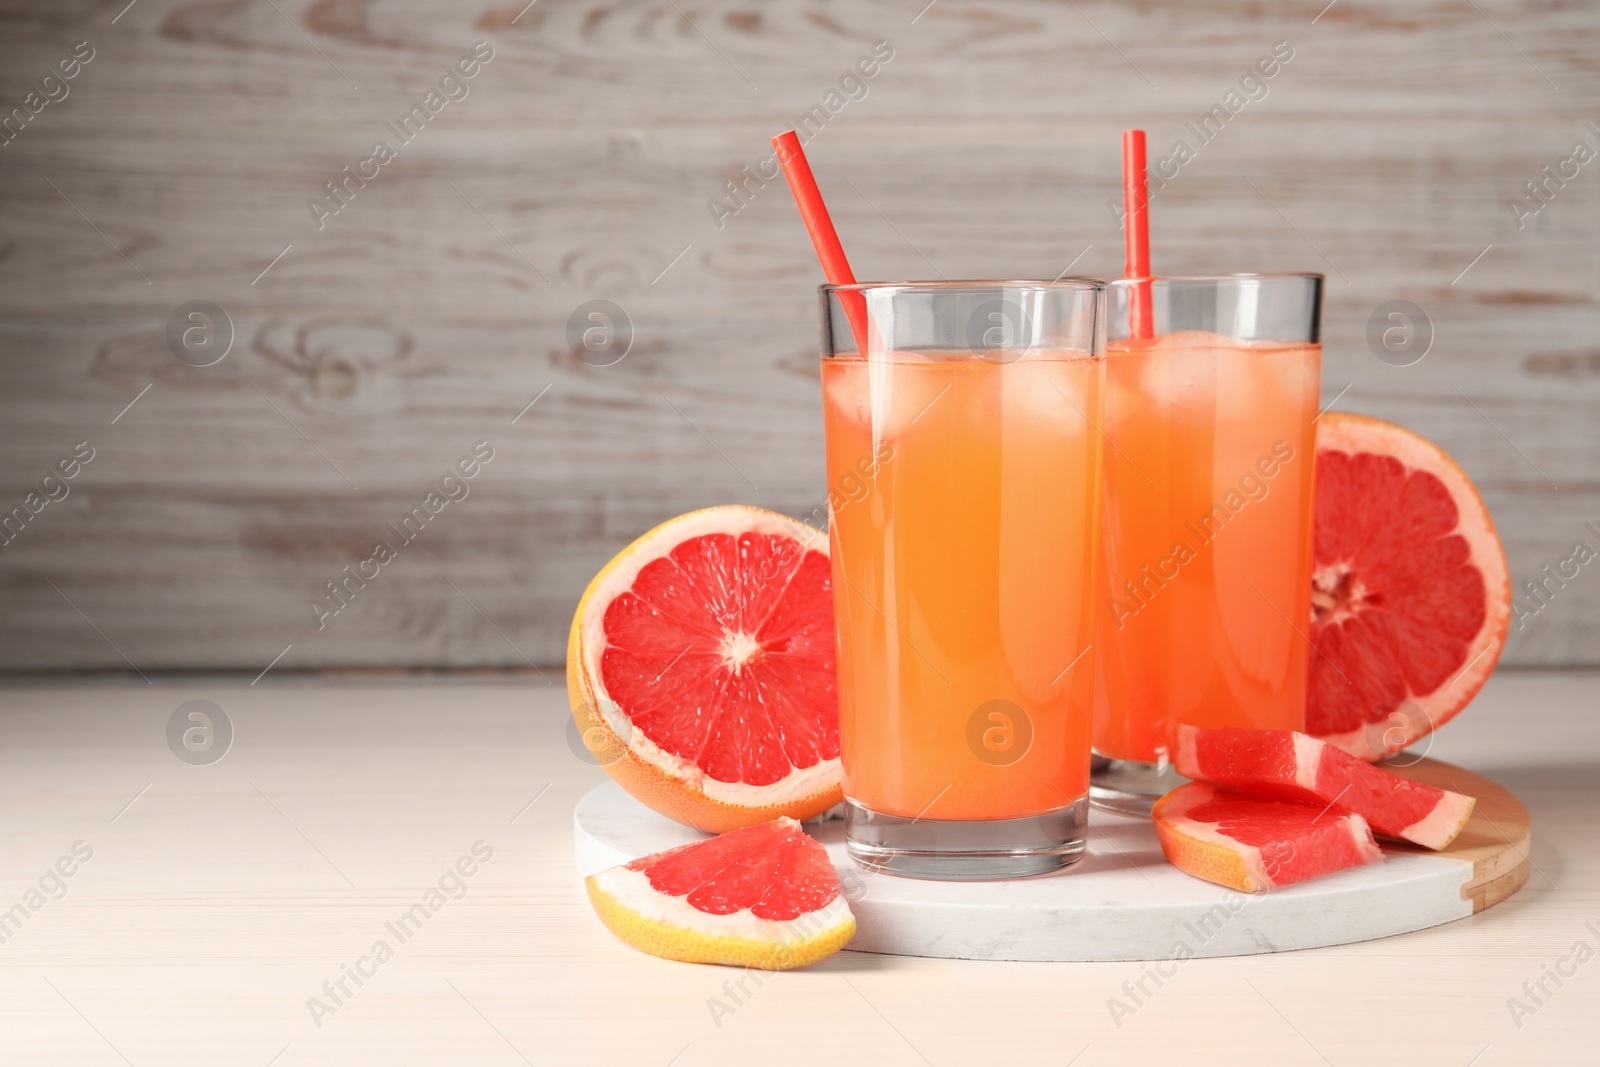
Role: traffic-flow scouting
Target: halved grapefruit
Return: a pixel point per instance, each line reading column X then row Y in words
column 1295, row 766
column 1253, row 844
column 765, row 896
column 1411, row 596
column 700, row 666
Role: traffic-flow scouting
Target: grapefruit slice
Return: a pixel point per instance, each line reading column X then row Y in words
column 1411, row 596
column 765, row 896
column 1295, row 766
column 1253, row 844
column 700, row 668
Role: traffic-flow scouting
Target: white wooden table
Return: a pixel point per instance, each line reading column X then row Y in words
column 220, row 898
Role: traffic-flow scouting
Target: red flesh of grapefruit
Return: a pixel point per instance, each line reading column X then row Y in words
column 764, row 896
column 1293, row 766
column 1411, row 595
column 1252, row 843
column 701, row 668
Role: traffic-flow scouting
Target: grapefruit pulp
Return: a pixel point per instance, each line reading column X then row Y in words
column 700, row 668
column 1252, row 843
column 764, row 896
column 1411, row 596
column 1287, row 765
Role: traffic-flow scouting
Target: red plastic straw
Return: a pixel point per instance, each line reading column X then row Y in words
column 820, row 226
column 1136, row 231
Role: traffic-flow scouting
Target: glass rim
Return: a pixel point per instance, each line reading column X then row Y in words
column 1240, row 276
column 1071, row 283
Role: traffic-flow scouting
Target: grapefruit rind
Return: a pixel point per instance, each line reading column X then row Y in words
column 1350, row 433
column 1441, row 825
column 670, row 928
column 1200, row 849
column 666, row 783
column 1197, row 854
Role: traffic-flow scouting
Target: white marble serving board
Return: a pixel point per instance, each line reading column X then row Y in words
column 1122, row 901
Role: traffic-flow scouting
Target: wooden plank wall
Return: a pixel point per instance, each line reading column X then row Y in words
column 433, row 308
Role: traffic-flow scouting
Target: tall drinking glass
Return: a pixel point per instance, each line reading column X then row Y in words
column 1207, row 530
column 964, row 486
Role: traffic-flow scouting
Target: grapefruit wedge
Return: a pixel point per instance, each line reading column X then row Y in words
column 700, row 668
column 765, row 896
column 1411, row 596
column 1252, row 843
column 1293, row 766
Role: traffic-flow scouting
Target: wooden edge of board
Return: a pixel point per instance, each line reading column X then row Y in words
column 1488, row 894
column 1497, row 839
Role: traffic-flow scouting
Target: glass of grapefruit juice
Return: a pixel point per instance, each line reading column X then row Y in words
column 963, row 462
column 1206, row 545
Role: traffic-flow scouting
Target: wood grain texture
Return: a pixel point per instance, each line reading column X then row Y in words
column 428, row 312
column 1497, row 840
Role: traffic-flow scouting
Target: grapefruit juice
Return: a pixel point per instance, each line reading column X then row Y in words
column 964, row 493
column 1207, row 539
